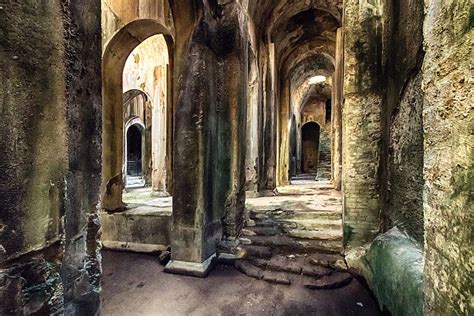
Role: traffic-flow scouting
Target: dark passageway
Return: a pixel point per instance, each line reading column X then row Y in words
column 134, row 151
column 311, row 135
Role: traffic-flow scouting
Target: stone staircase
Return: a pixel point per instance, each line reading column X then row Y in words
column 132, row 182
column 295, row 239
column 324, row 167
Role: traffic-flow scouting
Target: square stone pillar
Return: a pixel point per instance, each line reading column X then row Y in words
column 193, row 238
column 362, row 114
column 209, row 155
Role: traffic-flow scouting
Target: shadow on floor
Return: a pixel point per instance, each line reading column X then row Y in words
column 135, row 284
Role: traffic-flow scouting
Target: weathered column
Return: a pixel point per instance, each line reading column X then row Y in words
column 283, row 167
column 160, row 129
column 363, row 89
column 268, row 169
column 253, row 125
column 448, row 158
column 51, row 157
column 232, row 99
column 336, row 120
column 209, row 156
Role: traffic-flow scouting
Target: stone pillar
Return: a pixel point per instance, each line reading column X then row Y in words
column 336, row 120
column 51, row 157
column 159, row 129
column 284, row 135
column 268, row 170
column 448, row 157
column 363, row 89
column 253, row 126
column 209, row 156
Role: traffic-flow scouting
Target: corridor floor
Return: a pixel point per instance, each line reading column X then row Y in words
column 135, row 284
column 301, row 195
column 144, row 201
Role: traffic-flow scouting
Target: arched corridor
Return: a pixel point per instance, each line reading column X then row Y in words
column 313, row 156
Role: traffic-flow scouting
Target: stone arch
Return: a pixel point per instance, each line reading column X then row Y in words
column 115, row 55
column 138, row 110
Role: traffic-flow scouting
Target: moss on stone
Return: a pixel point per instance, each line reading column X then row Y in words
column 396, row 263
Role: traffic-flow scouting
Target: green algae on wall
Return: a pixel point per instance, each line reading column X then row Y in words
column 395, row 263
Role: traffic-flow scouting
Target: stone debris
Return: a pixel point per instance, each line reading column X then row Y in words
column 164, row 257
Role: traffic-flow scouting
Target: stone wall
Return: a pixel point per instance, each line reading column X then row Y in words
column 402, row 179
column 50, row 99
column 449, row 142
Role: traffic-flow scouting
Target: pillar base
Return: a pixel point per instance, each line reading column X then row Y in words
column 194, row 269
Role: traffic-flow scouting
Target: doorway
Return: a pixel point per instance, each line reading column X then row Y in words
column 310, row 140
column 134, row 154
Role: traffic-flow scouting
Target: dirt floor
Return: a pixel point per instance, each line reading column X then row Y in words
column 135, row 284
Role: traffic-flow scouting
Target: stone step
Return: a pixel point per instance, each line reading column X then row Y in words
column 316, row 271
column 333, row 281
column 325, row 235
column 288, row 245
column 304, row 177
column 276, row 277
column 134, row 182
column 257, row 251
column 332, row 211
column 298, row 265
column 311, row 224
column 264, row 222
column 311, row 277
column 249, row 269
column 281, row 263
column 334, row 261
column 264, row 230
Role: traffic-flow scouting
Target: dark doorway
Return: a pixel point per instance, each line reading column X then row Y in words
column 134, row 151
column 310, row 136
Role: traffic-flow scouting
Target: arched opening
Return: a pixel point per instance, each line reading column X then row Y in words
column 136, row 58
column 310, row 135
column 136, row 154
column 134, row 148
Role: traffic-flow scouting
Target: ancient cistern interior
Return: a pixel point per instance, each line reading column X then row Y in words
column 236, row 157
